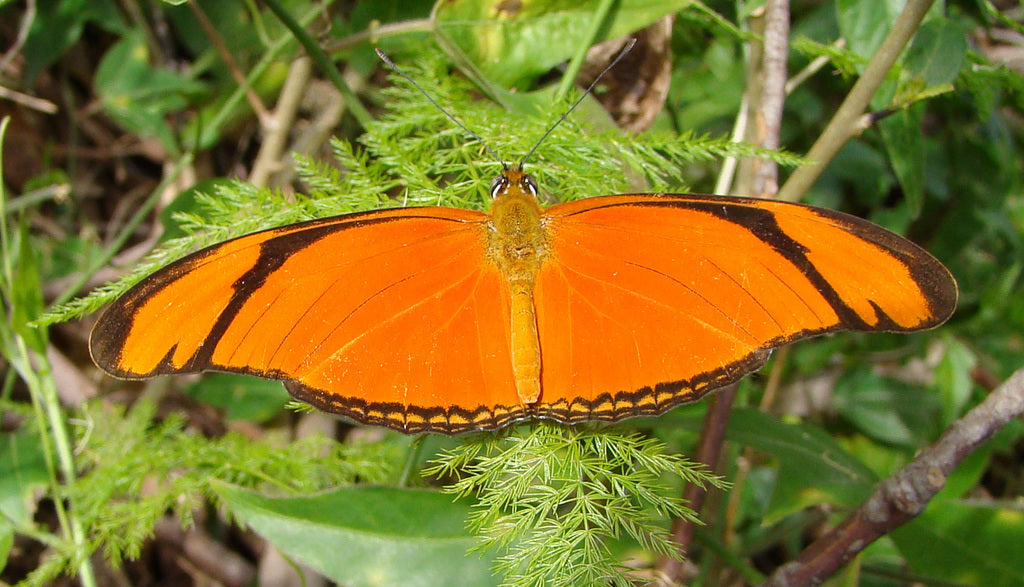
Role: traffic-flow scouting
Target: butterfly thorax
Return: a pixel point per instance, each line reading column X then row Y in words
column 517, row 243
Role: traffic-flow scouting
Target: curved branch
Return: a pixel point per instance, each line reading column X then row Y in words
column 903, row 496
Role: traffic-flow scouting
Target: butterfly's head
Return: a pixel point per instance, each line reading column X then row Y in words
column 513, row 181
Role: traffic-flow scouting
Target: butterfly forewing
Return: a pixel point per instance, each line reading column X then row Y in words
column 392, row 317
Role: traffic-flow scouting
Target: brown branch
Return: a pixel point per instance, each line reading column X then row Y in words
column 903, row 496
column 773, row 94
column 19, row 41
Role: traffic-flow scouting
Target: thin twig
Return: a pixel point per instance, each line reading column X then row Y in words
column 773, row 95
column 812, row 68
column 847, row 122
column 225, row 54
column 739, row 130
column 903, row 496
column 23, row 28
column 39, row 104
column 329, row 110
column 373, row 33
column 277, row 124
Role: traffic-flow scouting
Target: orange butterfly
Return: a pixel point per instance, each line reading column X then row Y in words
column 448, row 320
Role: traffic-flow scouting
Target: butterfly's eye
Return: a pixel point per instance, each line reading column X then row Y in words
column 498, row 185
column 528, row 185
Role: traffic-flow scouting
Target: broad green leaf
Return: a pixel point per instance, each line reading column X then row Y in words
column 865, row 24
column 937, row 52
column 511, row 43
column 867, row 401
column 857, row 169
column 709, row 94
column 904, row 143
column 22, row 473
column 953, row 378
column 58, row 25
column 886, row 409
column 813, row 468
column 364, row 536
column 968, row 543
column 137, row 95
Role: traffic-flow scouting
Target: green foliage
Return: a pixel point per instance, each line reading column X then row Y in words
column 134, row 470
column 513, row 52
column 553, row 497
column 966, row 542
column 368, row 535
column 59, row 26
column 138, row 96
column 560, row 504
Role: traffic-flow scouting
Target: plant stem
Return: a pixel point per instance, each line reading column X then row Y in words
column 599, row 21
column 35, row 371
column 707, row 453
column 322, row 61
column 45, row 389
column 847, row 122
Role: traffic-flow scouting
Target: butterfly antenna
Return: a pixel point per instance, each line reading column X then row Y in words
column 391, row 64
column 626, row 49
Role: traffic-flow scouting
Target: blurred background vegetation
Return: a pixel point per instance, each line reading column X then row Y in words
column 128, row 122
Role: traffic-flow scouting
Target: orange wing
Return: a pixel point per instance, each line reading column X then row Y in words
column 649, row 301
column 389, row 317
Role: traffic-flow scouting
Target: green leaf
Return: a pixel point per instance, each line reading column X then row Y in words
column 856, row 169
column 813, row 467
column 865, row 24
column 904, row 143
column 511, row 43
column 22, row 472
column 938, row 52
column 953, row 378
column 137, row 95
column 58, row 26
column 968, row 543
column 368, row 535
column 886, row 409
column 27, row 294
column 242, row 397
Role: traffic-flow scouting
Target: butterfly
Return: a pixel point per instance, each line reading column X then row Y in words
column 447, row 320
